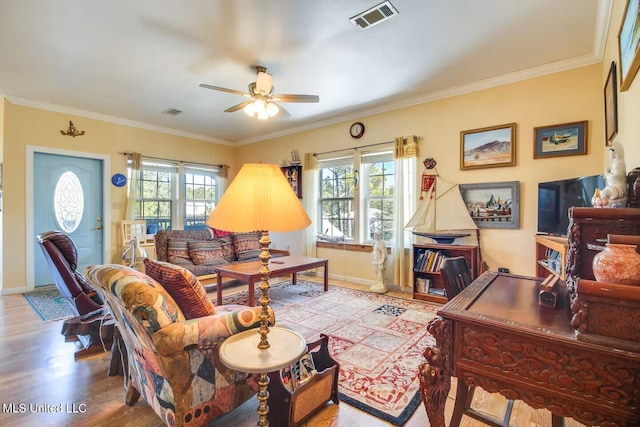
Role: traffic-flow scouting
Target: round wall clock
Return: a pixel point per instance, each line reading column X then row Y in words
column 119, row 180
column 356, row 130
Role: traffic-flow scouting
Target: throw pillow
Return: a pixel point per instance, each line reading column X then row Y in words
column 178, row 252
column 206, row 252
column 183, row 286
column 228, row 251
column 150, row 303
column 219, row 233
column 247, row 245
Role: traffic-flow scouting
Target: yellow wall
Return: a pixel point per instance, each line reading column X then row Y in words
column 28, row 126
column 628, row 101
column 558, row 98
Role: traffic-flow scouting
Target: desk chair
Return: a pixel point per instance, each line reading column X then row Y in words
column 456, row 276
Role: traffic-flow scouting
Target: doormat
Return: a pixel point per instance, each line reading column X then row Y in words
column 49, row 304
column 377, row 339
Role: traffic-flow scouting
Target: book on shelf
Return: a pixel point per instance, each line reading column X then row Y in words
column 438, row 291
column 423, row 285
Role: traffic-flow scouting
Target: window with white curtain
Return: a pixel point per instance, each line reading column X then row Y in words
column 173, row 195
column 356, row 196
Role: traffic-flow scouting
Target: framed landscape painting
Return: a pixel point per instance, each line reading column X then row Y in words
column 567, row 139
column 488, row 147
column 628, row 40
column 493, row 204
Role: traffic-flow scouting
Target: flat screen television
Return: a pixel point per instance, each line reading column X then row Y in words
column 556, row 197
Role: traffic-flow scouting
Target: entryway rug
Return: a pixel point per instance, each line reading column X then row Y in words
column 47, row 302
column 377, row 339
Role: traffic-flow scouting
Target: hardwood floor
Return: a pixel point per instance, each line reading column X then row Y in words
column 37, row 369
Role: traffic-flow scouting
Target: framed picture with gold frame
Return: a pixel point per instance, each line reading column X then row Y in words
column 488, row 147
column 628, row 40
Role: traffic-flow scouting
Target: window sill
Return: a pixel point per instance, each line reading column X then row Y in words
column 354, row 247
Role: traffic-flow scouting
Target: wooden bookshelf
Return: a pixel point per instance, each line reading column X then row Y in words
column 427, row 258
column 551, row 256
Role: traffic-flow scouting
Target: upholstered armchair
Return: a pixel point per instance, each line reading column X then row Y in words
column 173, row 358
column 62, row 257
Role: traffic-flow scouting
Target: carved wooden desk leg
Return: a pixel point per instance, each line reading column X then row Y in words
column 435, row 374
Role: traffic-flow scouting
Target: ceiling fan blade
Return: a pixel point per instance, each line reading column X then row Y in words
column 264, row 83
column 296, row 98
column 238, row 106
column 224, row 89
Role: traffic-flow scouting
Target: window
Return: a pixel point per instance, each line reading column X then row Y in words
column 154, row 195
column 199, row 196
column 356, row 196
column 337, row 185
column 175, row 196
column 378, row 196
column 68, row 202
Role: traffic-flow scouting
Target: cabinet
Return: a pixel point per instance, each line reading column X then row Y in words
column 427, row 281
column 293, row 173
column 551, row 256
column 588, row 228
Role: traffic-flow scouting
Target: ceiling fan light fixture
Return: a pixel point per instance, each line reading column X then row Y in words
column 272, row 109
column 250, row 109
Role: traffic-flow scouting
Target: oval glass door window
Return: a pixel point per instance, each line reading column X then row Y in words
column 68, row 202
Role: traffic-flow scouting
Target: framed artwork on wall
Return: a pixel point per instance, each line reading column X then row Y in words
column 567, row 139
column 493, row 204
column 611, row 104
column 488, row 147
column 628, row 40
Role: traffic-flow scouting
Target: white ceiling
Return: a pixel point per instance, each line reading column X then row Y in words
column 129, row 60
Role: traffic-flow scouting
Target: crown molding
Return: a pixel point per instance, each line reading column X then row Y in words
column 602, row 28
column 109, row 119
column 529, row 73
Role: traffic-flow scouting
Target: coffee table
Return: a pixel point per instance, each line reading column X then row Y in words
column 278, row 267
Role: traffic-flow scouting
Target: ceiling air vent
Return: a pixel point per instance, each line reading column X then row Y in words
column 375, row 15
column 172, row 112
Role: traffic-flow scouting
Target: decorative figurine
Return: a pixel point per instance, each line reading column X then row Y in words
column 615, row 191
column 379, row 261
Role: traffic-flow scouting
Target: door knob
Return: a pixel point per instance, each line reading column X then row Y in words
column 99, row 227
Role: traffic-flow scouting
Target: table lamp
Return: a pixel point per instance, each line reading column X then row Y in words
column 134, row 253
column 261, row 199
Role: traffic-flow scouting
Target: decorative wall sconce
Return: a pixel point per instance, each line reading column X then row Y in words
column 72, row 131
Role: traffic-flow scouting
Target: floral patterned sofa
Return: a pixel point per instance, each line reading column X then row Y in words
column 202, row 251
column 171, row 332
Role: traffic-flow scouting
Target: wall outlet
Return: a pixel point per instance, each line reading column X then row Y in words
column 503, row 270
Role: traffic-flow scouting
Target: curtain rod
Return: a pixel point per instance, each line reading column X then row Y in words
column 353, row 148
column 174, row 160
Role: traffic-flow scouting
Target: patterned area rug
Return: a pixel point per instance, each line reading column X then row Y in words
column 378, row 341
column 47, row 302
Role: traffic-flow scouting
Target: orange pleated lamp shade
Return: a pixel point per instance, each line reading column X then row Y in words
column 259, row 198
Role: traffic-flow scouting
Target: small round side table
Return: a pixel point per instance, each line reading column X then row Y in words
column 240, row 352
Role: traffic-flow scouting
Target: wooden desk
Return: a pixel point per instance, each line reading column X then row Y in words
column 495, row 335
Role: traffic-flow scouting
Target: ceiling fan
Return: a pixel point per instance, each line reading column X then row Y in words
column 262, row 101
